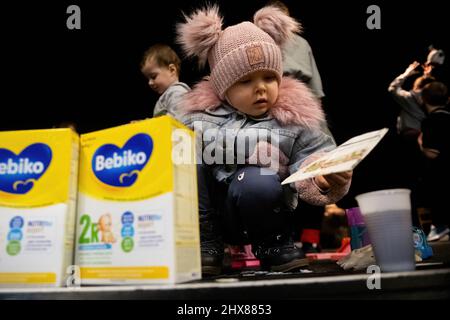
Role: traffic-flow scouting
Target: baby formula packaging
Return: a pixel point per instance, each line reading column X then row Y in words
column 38, row 185
column 137, row 216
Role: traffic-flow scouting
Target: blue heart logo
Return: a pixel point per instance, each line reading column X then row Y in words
column 120, row 167
column 19, row 173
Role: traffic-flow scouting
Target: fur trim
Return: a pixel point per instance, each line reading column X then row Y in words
column 295, row 105
column 276, row 23
column 200, row 33
column 200, row 98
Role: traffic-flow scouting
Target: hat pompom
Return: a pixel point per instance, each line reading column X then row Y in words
column 200, row 33
column 276, row 23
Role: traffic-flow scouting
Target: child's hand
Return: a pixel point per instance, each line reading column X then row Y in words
column 334, row 179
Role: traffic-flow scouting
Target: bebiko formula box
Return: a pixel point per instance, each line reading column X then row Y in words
column 38, row 186
column 137, row 216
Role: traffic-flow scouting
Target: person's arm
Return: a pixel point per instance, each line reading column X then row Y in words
column 168, row 102
column 395, row 88
column 428, row 152
column 316, row 81
column 323, row 190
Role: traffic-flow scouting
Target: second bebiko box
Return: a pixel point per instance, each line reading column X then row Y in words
column 137, row 216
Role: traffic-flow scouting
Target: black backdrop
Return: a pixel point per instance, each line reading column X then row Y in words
column 91, row 76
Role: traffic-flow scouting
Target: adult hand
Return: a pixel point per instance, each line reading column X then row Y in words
column 412, row 69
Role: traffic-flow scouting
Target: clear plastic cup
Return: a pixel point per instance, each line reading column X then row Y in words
column 387, row 214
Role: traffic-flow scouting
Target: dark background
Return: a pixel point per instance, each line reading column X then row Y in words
column 91, row 76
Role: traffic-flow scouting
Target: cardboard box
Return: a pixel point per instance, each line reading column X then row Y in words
column 137, row 207
column 38, row 185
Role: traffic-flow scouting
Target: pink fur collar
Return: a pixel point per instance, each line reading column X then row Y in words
column 295, row 105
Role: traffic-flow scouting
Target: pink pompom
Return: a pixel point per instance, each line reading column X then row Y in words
column 276, row 23
column 200, row 33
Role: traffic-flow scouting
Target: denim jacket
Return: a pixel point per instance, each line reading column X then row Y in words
column 290, row 134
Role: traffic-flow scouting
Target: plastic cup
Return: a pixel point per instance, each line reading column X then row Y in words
column 387, row 214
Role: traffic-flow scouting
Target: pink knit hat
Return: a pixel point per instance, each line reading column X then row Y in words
column 240, row 49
